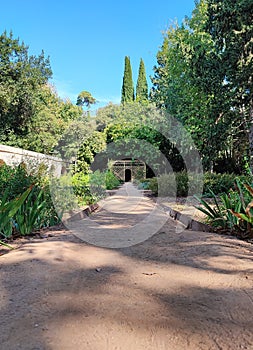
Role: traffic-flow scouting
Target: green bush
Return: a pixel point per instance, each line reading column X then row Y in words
column 91, row 188
column 153, row 185
column 171, row 185
column 167, row 186
column 111, row 181
column 15, row 180
column 69, row 192
column 221, row 183
column 80, row 183
column 50, row 216
column 97, row 185
column 143, row 185
column 212, row 183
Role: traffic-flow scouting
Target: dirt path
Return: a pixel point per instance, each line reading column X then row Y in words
column 188, row 290
column 125, row 219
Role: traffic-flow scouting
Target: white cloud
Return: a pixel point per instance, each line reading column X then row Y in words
column 64, row 90
column 113, row 99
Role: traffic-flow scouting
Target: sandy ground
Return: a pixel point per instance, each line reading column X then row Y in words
column 176, row 290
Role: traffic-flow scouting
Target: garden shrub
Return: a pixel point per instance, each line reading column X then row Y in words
column 168, row 185
column 80, row 183
column 221, row 183
column 212, row 182
column 91, row 188
column 142, row 184
column 97, row 185
column 81, row 189
column 51, row 216
column 153, row 185
column 14, row 182
column 70, row 192
column 111, row 181
column 182, row 186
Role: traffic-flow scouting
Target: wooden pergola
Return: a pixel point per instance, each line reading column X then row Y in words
column 128, row 170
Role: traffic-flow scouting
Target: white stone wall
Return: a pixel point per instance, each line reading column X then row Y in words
column 14, row 156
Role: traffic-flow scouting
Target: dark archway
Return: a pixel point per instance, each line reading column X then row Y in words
column 128, row 175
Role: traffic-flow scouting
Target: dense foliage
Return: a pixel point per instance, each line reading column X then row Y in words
column 26, row 203
column 32, row 116
column 176, row 184
column 203, row 78
column 138, row 130
column 20, row 80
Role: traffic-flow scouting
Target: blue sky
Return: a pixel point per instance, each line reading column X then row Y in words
column 88, row 40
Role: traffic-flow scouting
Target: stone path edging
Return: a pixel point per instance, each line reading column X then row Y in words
column 82, row 213
column 188, row 222
column 88, row 209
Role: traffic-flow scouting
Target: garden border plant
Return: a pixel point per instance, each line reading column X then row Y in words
column 26, row 203
column 227, row 199
column 231, row 212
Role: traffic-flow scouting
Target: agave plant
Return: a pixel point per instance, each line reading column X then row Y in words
column 8, row 209
column 245, row 216
column 30, row 213
column 231, row 211
column 215, row 214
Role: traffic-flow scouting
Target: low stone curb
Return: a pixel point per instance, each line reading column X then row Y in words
column 147, row 193
column 88, row 210
column 83, row 213
column 188, row 222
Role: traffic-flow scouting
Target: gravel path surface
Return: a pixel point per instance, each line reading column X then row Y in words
column 173, row 291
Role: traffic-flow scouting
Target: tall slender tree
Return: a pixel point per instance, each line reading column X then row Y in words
column 142, row 84
column 127, row 92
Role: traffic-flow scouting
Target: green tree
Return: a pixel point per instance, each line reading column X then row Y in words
column 127, row 92
column 127, row 125
column 230, row 23
column 93, row 144
column 21, row 77
column 106, row 114
column 73, row 138
column 189, row 83
column 142, row 84
column 51, row 120
column 85, row 99
column 32, row 116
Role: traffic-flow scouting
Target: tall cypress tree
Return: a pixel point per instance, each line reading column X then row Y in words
column 142, row 84
column 127, row 92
